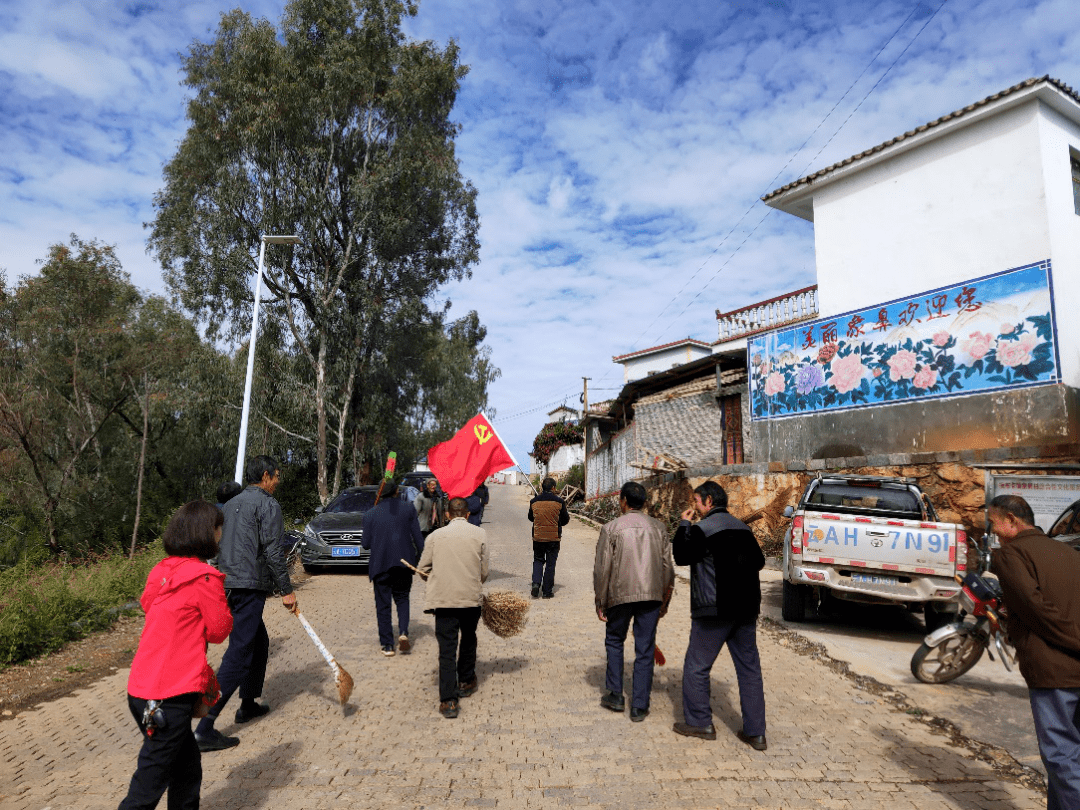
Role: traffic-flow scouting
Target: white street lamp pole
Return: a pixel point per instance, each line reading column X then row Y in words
column 273, row 240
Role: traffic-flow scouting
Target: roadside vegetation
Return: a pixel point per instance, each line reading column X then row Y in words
column 117, row 406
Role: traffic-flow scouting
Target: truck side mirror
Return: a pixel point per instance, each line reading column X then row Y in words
column 789, row 511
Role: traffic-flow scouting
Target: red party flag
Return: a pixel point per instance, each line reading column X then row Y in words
column 462, row 463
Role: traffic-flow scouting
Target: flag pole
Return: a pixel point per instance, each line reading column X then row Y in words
column 509, row 452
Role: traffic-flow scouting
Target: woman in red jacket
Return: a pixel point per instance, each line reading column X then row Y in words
column 185, row 608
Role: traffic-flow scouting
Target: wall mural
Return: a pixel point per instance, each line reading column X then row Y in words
column 986, row 334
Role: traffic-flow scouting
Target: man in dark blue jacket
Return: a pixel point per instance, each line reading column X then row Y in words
column 722, row 611
column 392, row 533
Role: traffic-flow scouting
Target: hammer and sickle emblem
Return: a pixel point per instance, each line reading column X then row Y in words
column 483, row 433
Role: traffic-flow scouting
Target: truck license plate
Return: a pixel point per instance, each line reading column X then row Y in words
column 345, row 551
column 875, row 579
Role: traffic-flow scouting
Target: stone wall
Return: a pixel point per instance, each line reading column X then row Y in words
column 684, row 422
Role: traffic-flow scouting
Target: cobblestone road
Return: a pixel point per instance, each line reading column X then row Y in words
column 534, row 734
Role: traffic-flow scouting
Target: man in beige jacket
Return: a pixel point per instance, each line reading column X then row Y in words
column 455, row 559
column 633, row 578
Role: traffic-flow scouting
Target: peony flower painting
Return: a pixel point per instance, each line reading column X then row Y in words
column 989, row 333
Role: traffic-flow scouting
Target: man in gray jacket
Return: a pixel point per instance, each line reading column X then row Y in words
column 253, row 561
column 633, row 578
column 456, row 558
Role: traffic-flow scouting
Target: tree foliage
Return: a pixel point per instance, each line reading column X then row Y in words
column 554, row 435
column 335, row 128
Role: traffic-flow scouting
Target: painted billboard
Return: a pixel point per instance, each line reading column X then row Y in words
column 989, row 333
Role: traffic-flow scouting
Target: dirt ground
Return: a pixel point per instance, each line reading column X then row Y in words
column 73, row 667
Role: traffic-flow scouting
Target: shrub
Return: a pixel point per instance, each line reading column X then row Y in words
column 554, row 435
column 42, row 606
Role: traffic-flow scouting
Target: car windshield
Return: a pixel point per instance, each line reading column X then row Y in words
column 1068, row 522
column 352, row 502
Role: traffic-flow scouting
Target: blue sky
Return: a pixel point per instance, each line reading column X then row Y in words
column 619, row 148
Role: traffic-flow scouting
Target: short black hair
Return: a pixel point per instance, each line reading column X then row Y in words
column 458, row 507
column 229, row 490
column 634, row 494
column 390, row 488
column 259, row 465
column 711, row 489
column 191, row 531
column 1016, row 506
column 548, row 484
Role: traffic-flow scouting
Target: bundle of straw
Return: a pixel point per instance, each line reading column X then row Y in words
column 504, row 613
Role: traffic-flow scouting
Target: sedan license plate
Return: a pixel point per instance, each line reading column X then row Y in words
column 345, row 551
column 875, row 579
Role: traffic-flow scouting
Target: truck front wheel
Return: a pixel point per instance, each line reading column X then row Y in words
column 796, row 597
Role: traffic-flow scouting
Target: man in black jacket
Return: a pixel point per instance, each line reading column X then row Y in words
column 722, row 611
column 253, row 561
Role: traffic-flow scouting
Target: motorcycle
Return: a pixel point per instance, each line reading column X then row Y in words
column 951, row 650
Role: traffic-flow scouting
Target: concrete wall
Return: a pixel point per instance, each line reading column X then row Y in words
column 639, row 367
column 1047, row 415
column 609, row 465
column 684, row 422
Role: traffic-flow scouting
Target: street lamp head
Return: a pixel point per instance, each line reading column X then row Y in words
column 281, row 240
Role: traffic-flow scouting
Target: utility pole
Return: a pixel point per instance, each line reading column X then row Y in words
column 585, row 438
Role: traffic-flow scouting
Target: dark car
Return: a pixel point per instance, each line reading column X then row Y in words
column 1067, row 527
column 332, row 537
column 419, row 480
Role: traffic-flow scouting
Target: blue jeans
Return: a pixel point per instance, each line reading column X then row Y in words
column 544, row 556
column 395, row 585
column 646, row 615
column 1057, row 725
column 243, row 666
column 707, row 638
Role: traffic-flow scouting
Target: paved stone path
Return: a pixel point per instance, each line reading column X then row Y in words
column 534, row 735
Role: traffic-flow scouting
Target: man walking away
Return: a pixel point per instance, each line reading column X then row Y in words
column 548, row 515
column 633, row 578
column 725, row 599
column 252, row 558
column 392, row 533
column 456, row 558
column 1039, row 579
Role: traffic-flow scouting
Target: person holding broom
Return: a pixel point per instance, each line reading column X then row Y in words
column 455, row 563
column 633, row 578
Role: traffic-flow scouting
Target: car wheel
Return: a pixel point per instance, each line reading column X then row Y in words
column 795, row 599
column 311, row 569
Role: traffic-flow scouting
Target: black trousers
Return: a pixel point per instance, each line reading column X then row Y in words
column 243, row 666
column 456, row 666
column 168, row 760
column 393, row 585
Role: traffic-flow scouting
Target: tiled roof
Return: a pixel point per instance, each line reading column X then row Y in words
column 1028, row 83
column 641, row 352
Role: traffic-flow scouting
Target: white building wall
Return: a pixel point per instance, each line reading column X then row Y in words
column 637, row 368
column 962, row 206
column 1058, row 137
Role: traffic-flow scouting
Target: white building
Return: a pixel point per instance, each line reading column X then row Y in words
column 639, row 364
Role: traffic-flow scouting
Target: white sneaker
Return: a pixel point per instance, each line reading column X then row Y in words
column 388, row 651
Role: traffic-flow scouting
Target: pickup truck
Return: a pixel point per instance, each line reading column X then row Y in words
column 871, row 539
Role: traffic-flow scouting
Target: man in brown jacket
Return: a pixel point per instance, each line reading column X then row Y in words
column 1039, row 578
column 633, row 578
column 548, row 515
column 456, row 557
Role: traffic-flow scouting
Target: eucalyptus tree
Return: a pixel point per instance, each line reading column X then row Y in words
column 336, row 128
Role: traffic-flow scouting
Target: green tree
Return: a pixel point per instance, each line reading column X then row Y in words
column 337, row 129
column 64, row 375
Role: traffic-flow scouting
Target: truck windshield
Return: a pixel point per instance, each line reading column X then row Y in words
column 862, row 497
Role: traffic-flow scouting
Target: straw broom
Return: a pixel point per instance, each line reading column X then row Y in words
column 504, row 613
column 342, row 678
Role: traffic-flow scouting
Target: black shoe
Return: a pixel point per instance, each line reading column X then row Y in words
column 535, row 591
column 704, row 732
column 549, row 595
column 388, row 650
column 214, row 740
column 637, row 715
column 613, row 701
column 757, row 742
column 466, row 689
column 449, row 709
column 245, row 713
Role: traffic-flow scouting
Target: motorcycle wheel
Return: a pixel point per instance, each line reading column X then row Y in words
column 948, row 660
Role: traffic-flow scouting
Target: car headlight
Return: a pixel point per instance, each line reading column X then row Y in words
column 311, row 536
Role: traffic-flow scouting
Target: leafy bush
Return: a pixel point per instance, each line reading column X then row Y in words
column 42, row 606
column 554, row 435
